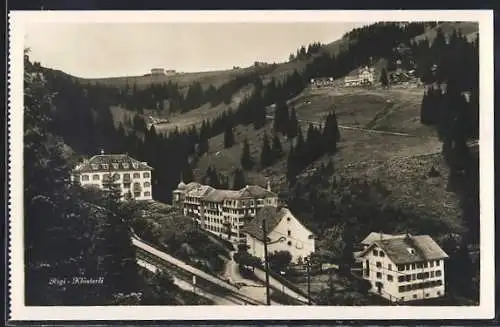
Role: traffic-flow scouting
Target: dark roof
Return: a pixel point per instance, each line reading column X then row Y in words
column 272, row 215
column 114, row 162
column 373, row 236
column 398, row 249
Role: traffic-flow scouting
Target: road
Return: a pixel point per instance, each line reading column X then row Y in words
column 255, row 288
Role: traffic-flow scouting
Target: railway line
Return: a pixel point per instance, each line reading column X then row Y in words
column 211, row 285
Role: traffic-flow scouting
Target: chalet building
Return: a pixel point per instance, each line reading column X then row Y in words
column 222, row 212
column 360, row 77
column 284, row 233
column 403, row 268
column 132, row 176
column 320, row 82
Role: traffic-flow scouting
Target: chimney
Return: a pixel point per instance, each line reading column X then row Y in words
column 102, row 151
column 268, row 185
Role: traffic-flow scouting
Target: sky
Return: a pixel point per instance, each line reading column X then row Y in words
column 94, row 50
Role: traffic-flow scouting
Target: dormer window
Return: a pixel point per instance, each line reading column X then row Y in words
column 115, row 166
column 411, row 251
column 94, row 166
column 125, row 165
column 135, row 165
column 105, row 166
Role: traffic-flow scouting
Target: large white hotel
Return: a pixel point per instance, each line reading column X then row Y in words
column 223, row 212
column 132, row 176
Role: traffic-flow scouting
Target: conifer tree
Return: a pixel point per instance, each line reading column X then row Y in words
column 277, row 149
column 293, row 124
column 266, row 153
column 228, row 136
column 239, row 180
column 384, row 78
column 246, row 159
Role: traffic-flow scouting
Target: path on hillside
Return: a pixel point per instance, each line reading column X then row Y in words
column 319, row 123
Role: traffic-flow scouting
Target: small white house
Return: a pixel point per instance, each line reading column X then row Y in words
column 404, row 268
column 284, row 233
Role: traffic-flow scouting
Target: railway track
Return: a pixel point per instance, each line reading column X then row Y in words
column 209, row 284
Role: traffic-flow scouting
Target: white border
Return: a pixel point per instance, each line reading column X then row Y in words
column 18, row 21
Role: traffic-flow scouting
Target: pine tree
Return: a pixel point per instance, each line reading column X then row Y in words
column 228, row 137
column 246, row 159
column 266, row 153
column 331, row 133
column 293, row 124
column 239, row 180
column 281, row 118
column 277, row 149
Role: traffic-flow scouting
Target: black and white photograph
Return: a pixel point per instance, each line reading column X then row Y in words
column 164, row 163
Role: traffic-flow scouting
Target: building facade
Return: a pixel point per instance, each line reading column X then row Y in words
column 362, row 76
column 404, row 268
column 157, row 71
column 284, row 233
column 320, row 82
column 222, row 212
column 133, row 177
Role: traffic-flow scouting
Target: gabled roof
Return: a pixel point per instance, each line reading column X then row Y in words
column 272, row 216
column 255, row 191
column 114, row 162
column 373, row 236
column 398, row 249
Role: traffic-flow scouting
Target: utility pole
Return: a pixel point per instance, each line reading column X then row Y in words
column 308, row 281
column 266, row 264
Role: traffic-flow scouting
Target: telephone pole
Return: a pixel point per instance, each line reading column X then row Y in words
column 308, row 281
column 266, row 264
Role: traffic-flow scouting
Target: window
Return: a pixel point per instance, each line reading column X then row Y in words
column 414, row 296
column 125, row 165
column 379, row 275
column 375, row 252
column 426, row 294
column 381, row 254
column 389, row 266
column 431, row 264
column 289, row 233
column 425, row 264
column 94, row 166
column 85, row 177
column 432, row 274
column 289, row 243
column 401, row 288
column 420, row 276
column 401, row 267
column 438, row 293
column 135, row 165
column 147, row 184
column 105, row 166
column 95, row 177
column 438, row 273
column 126, row 185
column 379, row 264
column 413, row 266
column 145, row 175
column 408, row 267
column 137, row 175
column 389, row 278
column 437, row 262
column 115, row 165
column 147, row 193
column 413, row 276
column 408, row 278
column 401, row 279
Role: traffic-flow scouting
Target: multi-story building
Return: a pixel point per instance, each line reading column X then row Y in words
column 284, row 233
column 404, row 268
column 222, row 212
column 133, row 177
column 362, row 76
